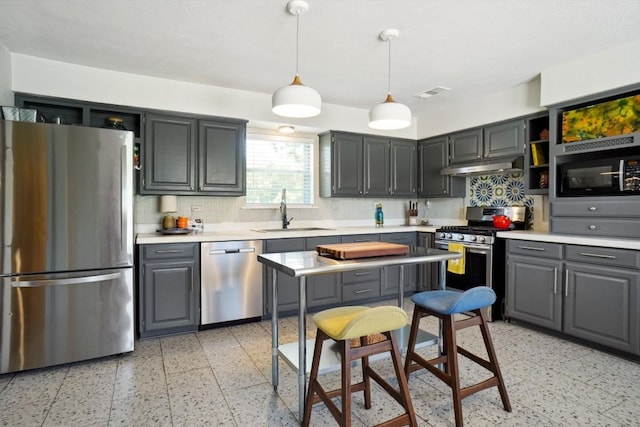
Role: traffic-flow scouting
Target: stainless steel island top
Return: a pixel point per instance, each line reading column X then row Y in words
column 308, row 263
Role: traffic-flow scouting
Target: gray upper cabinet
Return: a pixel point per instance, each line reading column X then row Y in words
column 504, row 139
column 353, row 165
column 341, row 164
column 433, row 156
column 465, row 146
column 498, row 140
column 404, row 168
column 376, row 166
column 169, row 154
column 187, row 155
column 221, row 157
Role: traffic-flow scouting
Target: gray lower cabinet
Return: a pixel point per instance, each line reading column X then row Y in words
column 169, row 288
column 534, row 291
column 427, row 272
column 592, row 293
column 391, row 275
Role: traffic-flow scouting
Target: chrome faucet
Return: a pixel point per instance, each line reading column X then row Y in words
column 283, row 210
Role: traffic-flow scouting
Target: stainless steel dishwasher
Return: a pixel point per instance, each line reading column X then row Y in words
column 231, row 281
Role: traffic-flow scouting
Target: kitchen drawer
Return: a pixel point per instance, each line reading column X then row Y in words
column 284, row 245
column 614, row 227
column 605, row 256
column 170, row 251
column 359, row 276
column 536, row 249
column 313, row 242
column 409, row 239
column 600, row 208
column 361, row 291
column 361, row 238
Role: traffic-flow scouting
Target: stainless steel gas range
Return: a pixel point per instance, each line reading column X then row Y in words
column 484, row 253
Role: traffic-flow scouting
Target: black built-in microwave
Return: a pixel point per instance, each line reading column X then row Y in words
column 607, row 176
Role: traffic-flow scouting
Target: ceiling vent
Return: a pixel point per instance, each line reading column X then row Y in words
column 432, row 92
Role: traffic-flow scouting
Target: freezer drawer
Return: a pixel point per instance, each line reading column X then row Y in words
column 231, row 281
column 60, row 318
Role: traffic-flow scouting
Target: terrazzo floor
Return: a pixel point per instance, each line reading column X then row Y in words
column 222, row 377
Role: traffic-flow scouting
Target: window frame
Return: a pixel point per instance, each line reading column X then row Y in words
column 268, row 134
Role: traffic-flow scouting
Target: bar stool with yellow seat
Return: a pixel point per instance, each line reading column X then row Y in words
column 444, row 305
column 362, row 325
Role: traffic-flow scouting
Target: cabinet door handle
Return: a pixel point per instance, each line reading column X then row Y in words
column 566, row 283
column 597, row 255
column 592, row 209
column 555, row 280
column 531, row 248
column 361, row 240
column 362, row 273
column 362, row 291
column 169, row 251
column 592, row 227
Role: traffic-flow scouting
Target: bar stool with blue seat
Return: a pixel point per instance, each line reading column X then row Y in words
column 370, row 330
column 445, row 305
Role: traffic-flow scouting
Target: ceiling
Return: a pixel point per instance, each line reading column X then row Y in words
column 471, row 46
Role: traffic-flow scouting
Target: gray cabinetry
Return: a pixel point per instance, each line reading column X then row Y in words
column 433, row 156
column 169, row 154
column 596, row 217
column 169, row 288
column 360, row 284
column 534, row 292
column 427, row 273
column 376, row 166
column 391, row 275
column 354, row 165
column 323, row 289
column 493, row 141
column 287, row 285
column 221, row 157
column 592, row 293
column 465, row 146
column 503, row 139
column 185, row 155
column 536, row 165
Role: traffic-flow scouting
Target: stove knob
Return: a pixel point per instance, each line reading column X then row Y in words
column 449, row 236
column 473, row 238
column 481, row 239
column 441, row 235
column 460, row 236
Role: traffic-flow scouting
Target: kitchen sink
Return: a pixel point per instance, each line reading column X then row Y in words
column 270, row 230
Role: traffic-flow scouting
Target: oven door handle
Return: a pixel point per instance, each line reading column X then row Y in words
column 475, row 249
column 621, row 176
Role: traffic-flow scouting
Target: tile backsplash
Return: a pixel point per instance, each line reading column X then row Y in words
column 499, row 190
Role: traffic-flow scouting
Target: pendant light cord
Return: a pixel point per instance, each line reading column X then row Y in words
column 389, row 42
column 297, row 39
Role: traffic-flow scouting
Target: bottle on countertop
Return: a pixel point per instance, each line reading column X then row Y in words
column 379, row 215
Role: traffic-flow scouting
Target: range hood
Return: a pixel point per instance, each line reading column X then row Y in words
column 486, row 167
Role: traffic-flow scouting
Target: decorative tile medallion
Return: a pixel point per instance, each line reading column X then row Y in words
column 499, row 190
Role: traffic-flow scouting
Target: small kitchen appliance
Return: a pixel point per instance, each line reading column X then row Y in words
column 484, row 254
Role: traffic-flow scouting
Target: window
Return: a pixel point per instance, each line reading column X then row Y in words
column 276, row 162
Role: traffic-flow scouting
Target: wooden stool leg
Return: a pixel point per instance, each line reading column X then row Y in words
column 346, row 385
column 313, row 377
column 493, row 361
column 451, row 367
column 402, row 379
column 411, row 345
column 365, row 376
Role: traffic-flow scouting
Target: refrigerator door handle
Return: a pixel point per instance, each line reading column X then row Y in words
column 68, row 281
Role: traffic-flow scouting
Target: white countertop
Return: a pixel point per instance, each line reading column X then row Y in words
column 545, row 236
column 247, row 234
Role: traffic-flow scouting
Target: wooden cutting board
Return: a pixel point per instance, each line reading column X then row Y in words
column 361, row 250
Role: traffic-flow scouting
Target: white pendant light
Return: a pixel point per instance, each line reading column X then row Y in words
column 390, row 114
column 296, row 99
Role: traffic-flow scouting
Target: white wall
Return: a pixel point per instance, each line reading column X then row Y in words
column 517, row 101
column 6, row 94
column 45, row 77
column 611, row 69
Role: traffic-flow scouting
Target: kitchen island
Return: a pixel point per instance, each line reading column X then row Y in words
column 309, row 263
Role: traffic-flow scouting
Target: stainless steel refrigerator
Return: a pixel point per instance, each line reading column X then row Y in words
column 67, row 244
